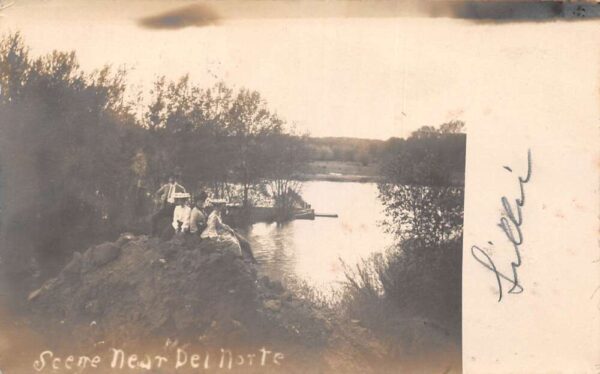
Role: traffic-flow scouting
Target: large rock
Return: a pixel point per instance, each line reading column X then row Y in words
column 102, row 254
column 141, row 291
column 75, row 266
column 149, row 287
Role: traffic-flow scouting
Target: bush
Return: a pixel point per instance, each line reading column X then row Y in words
column 409, row 281
column 411, row 296
column 66, row 145
column 430, row 214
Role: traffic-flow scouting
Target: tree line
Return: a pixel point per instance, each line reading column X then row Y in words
column 79, row 162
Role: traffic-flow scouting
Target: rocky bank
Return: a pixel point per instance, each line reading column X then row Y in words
column 141, row 291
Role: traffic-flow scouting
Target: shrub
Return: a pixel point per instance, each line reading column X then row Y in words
column 409, row 281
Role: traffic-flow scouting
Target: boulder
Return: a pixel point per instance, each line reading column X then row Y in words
column 102, row 254
column 177, row 293
column 124, row 239
column 200, row 290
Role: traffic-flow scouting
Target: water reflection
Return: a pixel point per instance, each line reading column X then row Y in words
column 311, row 250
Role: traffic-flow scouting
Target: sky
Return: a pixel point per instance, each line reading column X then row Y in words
column 369, row 77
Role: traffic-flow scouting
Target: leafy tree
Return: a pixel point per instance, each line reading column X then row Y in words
column 213, row 135
column 67, row 145
column 422, row 192
column 77, row 164
column 251, row 126
column 418, row 279
column 287, row 154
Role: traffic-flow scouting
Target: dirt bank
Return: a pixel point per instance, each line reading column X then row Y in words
column 144, row 295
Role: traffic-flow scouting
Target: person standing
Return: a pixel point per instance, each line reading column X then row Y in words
column 166, row 194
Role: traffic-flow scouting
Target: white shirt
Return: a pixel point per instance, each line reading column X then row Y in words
column 172, row 188
column 181, row 214
column 212, row 225
column 216, row 229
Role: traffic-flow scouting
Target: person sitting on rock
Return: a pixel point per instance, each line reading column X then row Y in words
column 181, row 215
column 197, row 216
column 217, row 230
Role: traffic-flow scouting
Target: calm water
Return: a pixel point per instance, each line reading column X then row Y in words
column 311, row 250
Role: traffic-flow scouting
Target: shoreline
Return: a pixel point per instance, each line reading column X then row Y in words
column 338, row 178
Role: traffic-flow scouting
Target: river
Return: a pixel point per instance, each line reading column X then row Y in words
column 313, row 251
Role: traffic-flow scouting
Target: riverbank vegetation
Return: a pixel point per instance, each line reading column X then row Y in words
column 416, row 285
column 80, row 162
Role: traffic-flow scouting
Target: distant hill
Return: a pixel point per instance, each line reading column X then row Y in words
column 345, row 140
column 345, row 149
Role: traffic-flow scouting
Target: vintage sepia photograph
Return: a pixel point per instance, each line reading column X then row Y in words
column 262, row 186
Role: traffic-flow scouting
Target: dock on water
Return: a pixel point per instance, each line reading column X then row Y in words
column 310, row 214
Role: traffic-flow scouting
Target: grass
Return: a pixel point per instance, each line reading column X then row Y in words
column 410, row 298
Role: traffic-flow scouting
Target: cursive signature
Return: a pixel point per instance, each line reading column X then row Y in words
column 510, row 223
